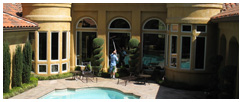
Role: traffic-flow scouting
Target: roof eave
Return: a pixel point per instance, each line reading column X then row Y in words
column 20, row 29
column 226, row 19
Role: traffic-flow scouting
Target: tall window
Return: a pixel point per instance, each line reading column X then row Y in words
column 200, row 52
column 54, row 45
column 42, row 45
column 119, row 37
column 173, row 56
column 32, row 42
column 84, row 39
column 185, row 52
column 64, row 45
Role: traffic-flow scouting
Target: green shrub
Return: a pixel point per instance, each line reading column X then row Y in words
column 18, row 67
column 27, row 62
column 52, row 77
column 6, row 67
column 77, row 68
column 96, row 63
column 134, row 54
column 17, row 90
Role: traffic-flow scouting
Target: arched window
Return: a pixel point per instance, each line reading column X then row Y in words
column 154, row 24
column 86, row 22
column 119, row 23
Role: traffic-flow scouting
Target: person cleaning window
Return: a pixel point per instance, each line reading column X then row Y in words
column 113, row 63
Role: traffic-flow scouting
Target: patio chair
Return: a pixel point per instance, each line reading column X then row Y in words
column 88, row 72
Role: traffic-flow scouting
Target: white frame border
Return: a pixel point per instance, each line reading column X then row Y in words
column 66, row 67
column 46, row 46
column 201, row 25
column 119, row 28
column 181, row 51
column 86, row 27
column 46, row 67
column 51, row 69
column 143, row 27
column 171, row 48
column 205, row 52
column 66, row 44
column 171, row 26
column 58, row 45
column 186, row 31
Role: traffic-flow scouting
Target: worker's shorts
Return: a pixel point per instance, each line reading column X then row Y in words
column 112, row 69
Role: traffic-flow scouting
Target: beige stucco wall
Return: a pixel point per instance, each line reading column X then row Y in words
column 193, row 14
column 103, row 14
column 51, row 17
column 10, row 37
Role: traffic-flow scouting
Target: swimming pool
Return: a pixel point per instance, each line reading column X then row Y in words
column 89, row 93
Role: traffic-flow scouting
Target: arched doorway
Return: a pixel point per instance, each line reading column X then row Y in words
column 233, row 57
column 222, row 49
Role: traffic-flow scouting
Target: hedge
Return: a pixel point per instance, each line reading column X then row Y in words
column 17, row 90
column 18, row 67
column 27, row 62
column 52, row 77
column 6, row 67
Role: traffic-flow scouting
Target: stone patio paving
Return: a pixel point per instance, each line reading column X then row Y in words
column 148, row 91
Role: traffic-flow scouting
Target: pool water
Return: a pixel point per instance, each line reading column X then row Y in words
column 88, row 93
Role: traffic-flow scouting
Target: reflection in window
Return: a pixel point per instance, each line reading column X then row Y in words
column 185, row 52
column 173, row 51
column 153, row 50
column 84, row 46
column 87, row 23
column 54, row 68
column 155, row 24
column 64, row 45
column 42, row 69
column 32, row 42
column 42, row 45
column 54, row 45
column 186, row 28
column 174, row 27
column 200, row 52
column 201, row 28
column 119, row 23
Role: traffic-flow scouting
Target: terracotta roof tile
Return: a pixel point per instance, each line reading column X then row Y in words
column 13, row 21
column 229, row 10
column 12, row 13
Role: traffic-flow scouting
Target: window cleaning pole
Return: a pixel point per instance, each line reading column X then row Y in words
column 114, row 45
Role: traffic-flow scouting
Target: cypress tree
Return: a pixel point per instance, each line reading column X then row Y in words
column 133, row 54
column 97, row 45
column 18, row 67
column 6, row 67
column 27, row 62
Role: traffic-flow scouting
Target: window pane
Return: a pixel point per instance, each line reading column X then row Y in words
column 200, row 51
column 78, row 43
column 42, row 68
column 121, row 41
column 87, row 48
column 42, row 46
column 63, row 67
column 153, row 50
column 173, row 51
column 54, row 68
column 54, row 46
column 155, row 24
column 201, row 28
column 174, row 27
column 64, row 45
column 32, row 41
column 119, row 23
column 185, row 52
column 87, row 23
column 186, row 28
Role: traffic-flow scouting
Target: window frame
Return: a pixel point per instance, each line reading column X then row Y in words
column 186, row 31
column 51, row 69
column 58, row 45
column 143, row 27
column 201, row 31
column 66, row 67
column 46, row 67
column 66, row 44
column 171, row 51
column 205, row 52
column 172, row 27
column 86, row 27
column 46, row 46
column 181, row 51
column 119, row 28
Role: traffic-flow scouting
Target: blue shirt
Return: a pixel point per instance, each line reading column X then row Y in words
column 113, row 60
